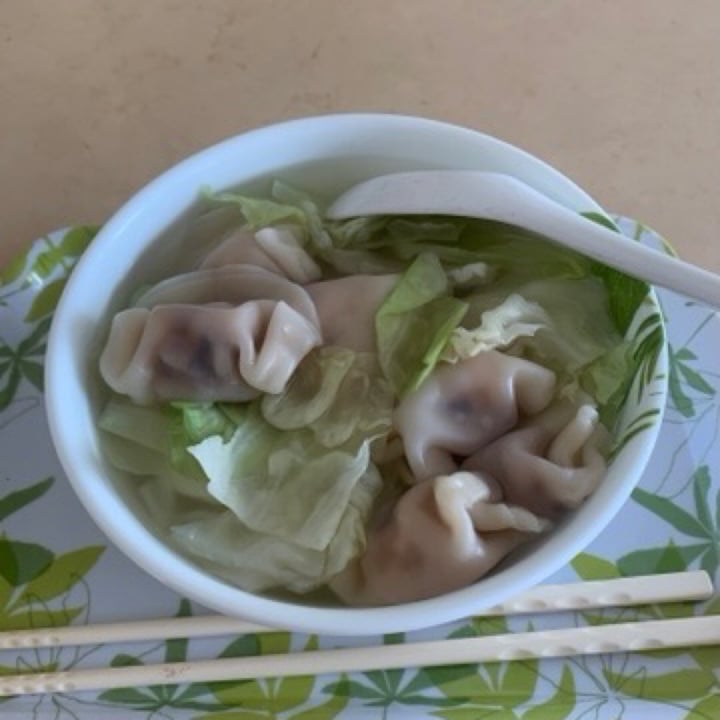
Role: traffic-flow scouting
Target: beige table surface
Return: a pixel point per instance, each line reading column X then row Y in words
column 96, row 97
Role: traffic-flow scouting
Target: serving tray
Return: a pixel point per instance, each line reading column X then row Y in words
column 56, row 567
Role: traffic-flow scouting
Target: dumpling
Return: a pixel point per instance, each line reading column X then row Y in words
column 239, row 247
column 552, row 463
column 462, row 407
column 234, row 285
column 441, row 535
column 206, row 352
column 283, row 247
column 347, row 307
column 276, row 249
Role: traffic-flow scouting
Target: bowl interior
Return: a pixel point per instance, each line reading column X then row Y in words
column 150, row 238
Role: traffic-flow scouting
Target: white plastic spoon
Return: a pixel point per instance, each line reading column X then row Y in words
column 494, row 196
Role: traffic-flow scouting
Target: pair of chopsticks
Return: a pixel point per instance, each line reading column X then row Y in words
column 622, row 637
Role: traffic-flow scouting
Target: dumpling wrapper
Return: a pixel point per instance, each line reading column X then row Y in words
column 276, row 249
column 233, row 285
column 347, row 307
column 205, row 352
column 550, row 464
column 442, row 535
column 462, row 407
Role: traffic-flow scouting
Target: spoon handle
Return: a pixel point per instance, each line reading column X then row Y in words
column 494, row 196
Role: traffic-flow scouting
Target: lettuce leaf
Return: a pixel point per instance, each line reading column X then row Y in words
column 577, row 328
column 608, row 380
column 404, row 238
column 258, row 561
column 517, row 254
column 337, row 394
column 158, row 437
column 200, row 420
column 146, row 426
column 311, row 390
column 470, row 276
column 499, row 328
column 626, row 293
column 138, row 439
column 290, row 512
column 414, row 323
column 282, row 483
column 258, row 212
column 312, row 218
column 563, row 324
column 461, row 241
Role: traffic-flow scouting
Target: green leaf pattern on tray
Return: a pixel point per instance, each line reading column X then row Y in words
column 55, row 567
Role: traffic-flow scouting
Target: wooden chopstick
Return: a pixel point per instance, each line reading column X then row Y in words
column 621, row 592
column 623, row 637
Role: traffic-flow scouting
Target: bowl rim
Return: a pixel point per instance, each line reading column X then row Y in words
column 137, row 542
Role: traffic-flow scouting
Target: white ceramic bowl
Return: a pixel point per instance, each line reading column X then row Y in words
column 323, row 155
